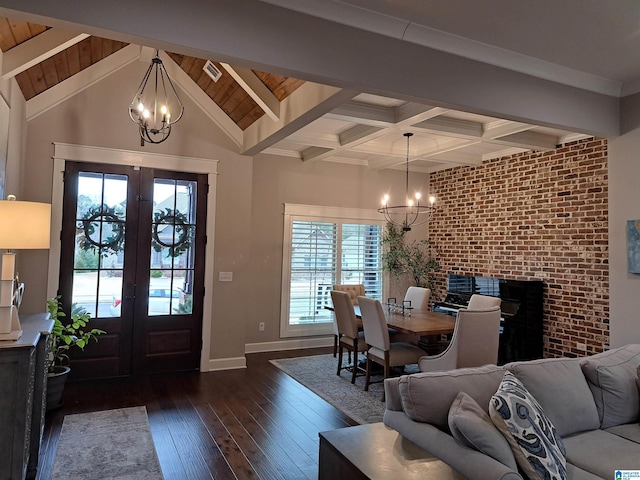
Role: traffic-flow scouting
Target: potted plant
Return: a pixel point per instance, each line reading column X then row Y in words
column 416, row 259
column 63, row 337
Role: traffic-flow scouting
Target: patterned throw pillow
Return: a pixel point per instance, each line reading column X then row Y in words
column 537, row 447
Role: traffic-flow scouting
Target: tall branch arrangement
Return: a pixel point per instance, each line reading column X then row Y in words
column 417, row 259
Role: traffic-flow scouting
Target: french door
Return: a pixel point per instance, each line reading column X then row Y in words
column 132, row 256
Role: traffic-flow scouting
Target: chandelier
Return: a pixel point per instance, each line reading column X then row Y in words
column 412, row 212
column 153, row 103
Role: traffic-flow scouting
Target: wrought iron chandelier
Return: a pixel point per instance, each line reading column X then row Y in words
column 153, row 103
column 412, row 212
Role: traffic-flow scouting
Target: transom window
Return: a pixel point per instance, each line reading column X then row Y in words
column 324, row 246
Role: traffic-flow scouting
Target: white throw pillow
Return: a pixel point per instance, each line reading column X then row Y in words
column 537, row 447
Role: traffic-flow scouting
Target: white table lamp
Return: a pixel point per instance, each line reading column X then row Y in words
column 23, row 225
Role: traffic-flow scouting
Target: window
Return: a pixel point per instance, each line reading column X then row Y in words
column 324, row 246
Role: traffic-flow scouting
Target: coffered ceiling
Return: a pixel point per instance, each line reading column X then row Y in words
column 337, row 125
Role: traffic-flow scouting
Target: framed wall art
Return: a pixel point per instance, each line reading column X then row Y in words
column 633, row 245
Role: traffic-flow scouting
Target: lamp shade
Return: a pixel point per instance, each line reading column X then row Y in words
column 24, row 225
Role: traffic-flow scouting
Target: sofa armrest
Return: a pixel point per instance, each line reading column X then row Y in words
column 466, row 461
column 393, row 401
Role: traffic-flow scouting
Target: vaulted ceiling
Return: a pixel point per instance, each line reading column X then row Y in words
column 337, row 125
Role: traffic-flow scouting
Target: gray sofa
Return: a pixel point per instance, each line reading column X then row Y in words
column 593, row 402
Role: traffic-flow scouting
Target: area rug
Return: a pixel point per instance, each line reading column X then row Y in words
column 318, row 374
column 111, row 444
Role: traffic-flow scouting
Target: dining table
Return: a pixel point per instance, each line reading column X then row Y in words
column 420, row 324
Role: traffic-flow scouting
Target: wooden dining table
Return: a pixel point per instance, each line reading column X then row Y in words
column 420, row 324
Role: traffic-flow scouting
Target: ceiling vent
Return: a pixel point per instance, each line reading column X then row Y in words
column 212, row 71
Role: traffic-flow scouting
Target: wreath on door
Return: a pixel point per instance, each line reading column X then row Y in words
column 178, row 243
column 182, row 237
column 99, row 216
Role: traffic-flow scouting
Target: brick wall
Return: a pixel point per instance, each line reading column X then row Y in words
column 534, row 215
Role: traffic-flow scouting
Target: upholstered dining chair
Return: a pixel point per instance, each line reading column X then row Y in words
column 381, row 350
column 347, row 327
column 482, row 302
column 419, row 298
column 354, row 291
column 474, row 342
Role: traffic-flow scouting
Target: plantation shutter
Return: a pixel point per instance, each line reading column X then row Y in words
column 323, row 246
column 361, row 253
column 313, row 267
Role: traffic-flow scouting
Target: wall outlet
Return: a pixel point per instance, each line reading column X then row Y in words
column 261, row 326
column 581, row 346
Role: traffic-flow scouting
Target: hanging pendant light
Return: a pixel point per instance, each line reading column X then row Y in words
column 154, row 102
column 412, row 212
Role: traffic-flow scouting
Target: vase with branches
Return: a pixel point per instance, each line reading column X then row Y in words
column 416, row 259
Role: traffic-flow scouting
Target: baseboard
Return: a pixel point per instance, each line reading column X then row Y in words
column 226, row 363
column 294, row 344
column 241, row 362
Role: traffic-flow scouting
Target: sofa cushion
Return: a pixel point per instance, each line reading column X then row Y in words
column 630, row 431
column 613, row 379
column 470, row 425
column 427, row 397
column 537, row 447
column 561, row 389
column 601, row 452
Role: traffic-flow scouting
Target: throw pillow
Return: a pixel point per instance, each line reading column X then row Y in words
column 471, row 426
column 612, row 379
column 536, row 446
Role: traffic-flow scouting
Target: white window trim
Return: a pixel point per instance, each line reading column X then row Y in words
column 80, row 153
column 313, row 213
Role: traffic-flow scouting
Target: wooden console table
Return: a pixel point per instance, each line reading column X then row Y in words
column 23, row 387
column 378, row 452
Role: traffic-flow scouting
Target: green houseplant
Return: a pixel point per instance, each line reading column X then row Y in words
column 64, row 336
column 416, row 259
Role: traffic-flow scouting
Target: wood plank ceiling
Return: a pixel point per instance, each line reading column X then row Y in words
column 226, row 92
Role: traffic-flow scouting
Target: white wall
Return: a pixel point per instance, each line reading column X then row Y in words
column 624, row 204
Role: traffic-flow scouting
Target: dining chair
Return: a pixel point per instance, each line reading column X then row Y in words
column 419, row 298
column 354, row 291
column 474, row 342
column 347, row 327
column 483, row 302
column 381, row 350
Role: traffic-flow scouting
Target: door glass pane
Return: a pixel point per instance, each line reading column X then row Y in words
column 172, row 247
column 99, row 250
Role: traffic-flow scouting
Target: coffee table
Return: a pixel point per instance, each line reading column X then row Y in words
column 375, row 451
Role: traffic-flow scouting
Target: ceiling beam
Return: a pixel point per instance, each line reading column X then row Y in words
column 358, row 112
column 257, row 90
column 37, row 49
column 528, row 140
column 307, row 103
column 501, row 128
column 452, row 127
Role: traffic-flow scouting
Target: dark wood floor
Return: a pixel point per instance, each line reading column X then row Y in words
column 251, row 423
